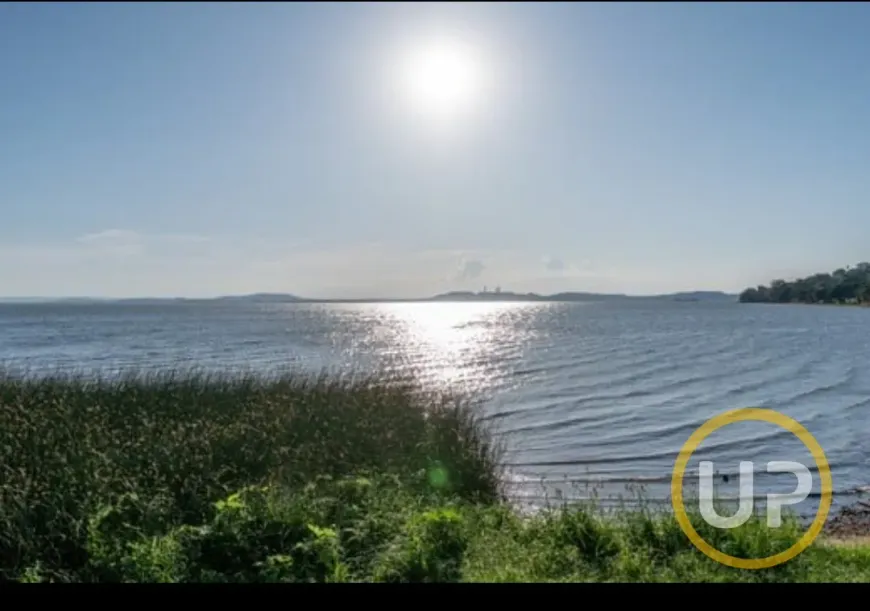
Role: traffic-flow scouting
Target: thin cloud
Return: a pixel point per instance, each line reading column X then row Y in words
column 470, row 270
column 109, row 236
column 113, row 242
column 554, row 264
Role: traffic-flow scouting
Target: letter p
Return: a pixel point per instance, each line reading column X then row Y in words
column 776, row 501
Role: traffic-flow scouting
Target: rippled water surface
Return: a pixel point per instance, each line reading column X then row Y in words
column 583, row 394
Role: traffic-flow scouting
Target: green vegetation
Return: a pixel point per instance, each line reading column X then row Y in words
column 186, row 477
column 850, row 285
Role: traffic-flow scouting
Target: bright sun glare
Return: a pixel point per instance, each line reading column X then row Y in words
column 443, row 78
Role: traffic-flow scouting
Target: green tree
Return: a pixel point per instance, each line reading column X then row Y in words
column 846, row 285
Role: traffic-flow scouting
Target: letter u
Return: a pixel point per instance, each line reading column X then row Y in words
column 744, row 510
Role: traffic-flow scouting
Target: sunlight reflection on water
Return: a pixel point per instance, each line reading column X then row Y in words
column 467, row 345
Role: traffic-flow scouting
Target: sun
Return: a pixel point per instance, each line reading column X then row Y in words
column 443, row 78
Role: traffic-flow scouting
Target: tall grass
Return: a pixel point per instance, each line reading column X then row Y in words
column 187, row 476
column 377, row 529
column 72, row 444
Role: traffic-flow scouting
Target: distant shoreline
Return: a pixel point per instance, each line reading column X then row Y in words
column 454, row 297
column 844, row 286
column 864, row 304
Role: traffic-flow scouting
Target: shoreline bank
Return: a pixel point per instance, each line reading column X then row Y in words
column 181, row 477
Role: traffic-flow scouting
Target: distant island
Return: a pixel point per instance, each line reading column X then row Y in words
column 845, row 286
column 454, row 296
column 499, row 295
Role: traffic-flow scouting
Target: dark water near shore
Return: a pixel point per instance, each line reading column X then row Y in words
column 584, row 395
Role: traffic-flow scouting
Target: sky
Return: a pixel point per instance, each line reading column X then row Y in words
column 208, row 149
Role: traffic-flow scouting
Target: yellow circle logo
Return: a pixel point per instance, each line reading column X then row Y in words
column 742, row 415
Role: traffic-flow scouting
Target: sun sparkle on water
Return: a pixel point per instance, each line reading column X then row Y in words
column 453, row 336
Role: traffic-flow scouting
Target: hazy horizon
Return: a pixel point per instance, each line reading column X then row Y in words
column 20, row 298
column 362, row 150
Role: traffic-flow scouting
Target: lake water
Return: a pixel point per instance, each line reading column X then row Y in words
column 586, row 396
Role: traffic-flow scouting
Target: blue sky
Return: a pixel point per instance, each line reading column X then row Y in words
column 206, row 149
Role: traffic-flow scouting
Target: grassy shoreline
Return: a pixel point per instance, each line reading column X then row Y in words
column 184, row 476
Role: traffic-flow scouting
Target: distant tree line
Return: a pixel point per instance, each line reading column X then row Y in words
column 849, row 285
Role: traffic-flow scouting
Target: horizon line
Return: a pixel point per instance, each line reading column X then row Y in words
column 458, row 293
